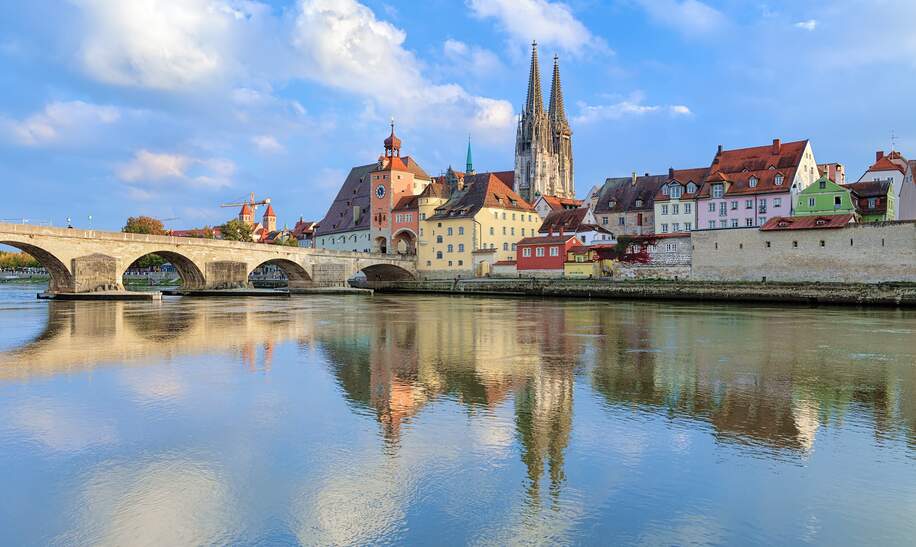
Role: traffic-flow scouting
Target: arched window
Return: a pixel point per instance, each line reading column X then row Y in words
column 752, row 182
column 779, row 180
column 439, row 255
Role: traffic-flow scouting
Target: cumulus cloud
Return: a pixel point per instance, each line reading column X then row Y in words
column 342, row 44
column 550, row 23
column 690, row 17
column 267, row 143
column 60, row 121
column 809, row 25
column 155, row 167
column 472, row 60
column 630, row 107
column 161, row 45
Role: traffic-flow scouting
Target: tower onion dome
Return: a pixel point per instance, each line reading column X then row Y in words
column 392, row 143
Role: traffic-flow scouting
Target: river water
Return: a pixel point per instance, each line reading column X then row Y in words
column 432, row 420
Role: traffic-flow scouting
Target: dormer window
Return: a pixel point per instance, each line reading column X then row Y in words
column 691, row 188
column 675, row 191
column 718, row 190
column 779, row 180
column 612, row 204
column 665, row 190
column 752, row 182
column 639, row 203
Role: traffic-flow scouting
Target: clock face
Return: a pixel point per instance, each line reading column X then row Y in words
column 380, row 191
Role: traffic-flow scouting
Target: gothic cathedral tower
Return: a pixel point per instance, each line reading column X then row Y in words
column 543, row 142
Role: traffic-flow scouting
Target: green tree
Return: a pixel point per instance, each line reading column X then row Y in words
column 17, row 260
column 236, row 230
column 144, row 225
column 287, row 241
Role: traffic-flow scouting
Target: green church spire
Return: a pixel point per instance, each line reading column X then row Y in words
column 470, row 163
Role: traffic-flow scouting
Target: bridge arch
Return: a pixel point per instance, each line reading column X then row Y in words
column 61, row 277
column 386, row 272
column 192, row 277
column 296, row 274
column 404, row 242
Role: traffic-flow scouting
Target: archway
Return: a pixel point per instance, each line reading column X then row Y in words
column 279, row 272
column 386, row 272
column 380, row 245
column 162, row 268
column 61, row 280
column 405, row 242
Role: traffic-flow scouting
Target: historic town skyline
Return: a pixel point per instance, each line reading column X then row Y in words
column 261, row 97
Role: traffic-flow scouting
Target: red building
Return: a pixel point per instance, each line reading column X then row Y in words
column 544, row 253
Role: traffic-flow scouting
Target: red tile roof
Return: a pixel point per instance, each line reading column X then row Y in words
column 885, row 164
column 270, row 211
column 736, row 167
column 558, row 204
column 407, row 203
column 807, row 222
column 546, row 240
column 481, row 190
column 683, row 177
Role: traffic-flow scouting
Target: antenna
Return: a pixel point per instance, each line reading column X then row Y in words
column 893, row 141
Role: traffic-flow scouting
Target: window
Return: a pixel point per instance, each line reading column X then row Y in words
column 712, row 207
column 622, row 221
column 734, row 205
column 761, row 221
column 664, row 209
column 505, row 246
column 523, row 232
column 748, row 222
column 688, row 208
column 504, row 230
column 554, row 251
column 823, row 244
column 795, row 244
column 604, row 220
column 514, row 246
column 512, row 231
column 450, row 232
column 734, row 223
column 762, row 206
column 450, row 248
column 492, row 231
column 688, row 226
column 676, row 227
column 449, row 262
column 421, row 231
column 723, row 208
column 822, row 185
column 723, row 223
column 504, row 215
column 461, row 247
column 664, row 228
column 496, row 215
column 638, row 203
column 676, row 192
column 675, row 209
column 670, row 247
column 748, row 204
column 422, row 216
column 461, row 262
column 691, row 188
column 461, row 230
column 712, row 224
column 439, row 255
column 539, row 251
column 438, row 239
column 768, row 244
column 718, row 190
column 777, row 202
column 837, row 202
column 810, row 202
column 526, row 252
column 872, row 203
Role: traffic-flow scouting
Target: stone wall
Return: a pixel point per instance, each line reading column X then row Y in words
column 652, row 271
column 858, row 253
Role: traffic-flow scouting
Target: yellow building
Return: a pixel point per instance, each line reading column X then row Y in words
column 459, row 215
column 588, row 262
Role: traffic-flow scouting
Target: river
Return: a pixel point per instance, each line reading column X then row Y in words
column 433, row 420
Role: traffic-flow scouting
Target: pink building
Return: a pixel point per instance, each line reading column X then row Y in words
column 748, row 186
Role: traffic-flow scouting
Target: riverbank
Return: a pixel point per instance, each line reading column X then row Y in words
column 884, row 294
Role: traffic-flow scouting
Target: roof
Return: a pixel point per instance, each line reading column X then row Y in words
column 807, row 222
column 270, row 211
column 481, row 190
column 246, row 210
column 885, row 164
column 567, row 219
column 737, row 167
column 558, row 204
column 407, row 203
column 353, row 193
column 504, row 263
column 546, row 240
column 304, row 228
column 683, row 177
column 869, row 188
column 624, row 194
column 435, row 189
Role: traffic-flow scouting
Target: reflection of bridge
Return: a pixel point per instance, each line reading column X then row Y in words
column 82, row 261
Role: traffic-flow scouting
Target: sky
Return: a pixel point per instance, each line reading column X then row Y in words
column 169, row 108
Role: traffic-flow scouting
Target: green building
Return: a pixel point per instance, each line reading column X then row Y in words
column 824, row 197
column 874, row 199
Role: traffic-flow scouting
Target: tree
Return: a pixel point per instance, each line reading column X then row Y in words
column 144, row 225
column 236, row 230
column 13, row 261
column 289, row 241
column 633, row 249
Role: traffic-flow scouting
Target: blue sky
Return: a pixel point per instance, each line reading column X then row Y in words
column 171, row 107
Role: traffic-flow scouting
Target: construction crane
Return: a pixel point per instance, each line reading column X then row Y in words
column 251, row 203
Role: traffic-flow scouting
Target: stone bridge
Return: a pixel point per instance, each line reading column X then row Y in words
column 81, row 261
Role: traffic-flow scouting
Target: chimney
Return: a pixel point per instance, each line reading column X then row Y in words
column 878, row 155
column 719, row 151
column 633, row 181
column 777, row 146
column 647, row 174
column 560, row 230
column 671, row 173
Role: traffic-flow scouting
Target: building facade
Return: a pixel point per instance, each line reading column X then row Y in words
column 675, row 202
column 626, row 206
column 543, row 142
column 544, row 255
column 824, row 197
column 874, row 200
column 748, row 186
column 907, row 203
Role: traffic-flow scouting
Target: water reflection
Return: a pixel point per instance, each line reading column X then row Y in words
column 526, row 375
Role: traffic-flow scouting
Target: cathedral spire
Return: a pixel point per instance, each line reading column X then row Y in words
column 470, row 162
column 557, row 109
column 534, row 104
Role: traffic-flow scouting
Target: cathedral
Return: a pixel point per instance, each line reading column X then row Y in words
column 543, row 143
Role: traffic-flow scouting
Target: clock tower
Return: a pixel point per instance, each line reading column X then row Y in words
column 391, row 181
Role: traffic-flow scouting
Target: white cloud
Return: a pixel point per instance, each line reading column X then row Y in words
column 342, row 44
column 470, row 60
column 267, row 143
column 690, row 17
column 630, row 107
column 809, row 25
column 161, row 45
column 550, row 23
column 60, row 121
column 149, row 166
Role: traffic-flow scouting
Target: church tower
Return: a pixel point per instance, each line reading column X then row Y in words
column 543, row 141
